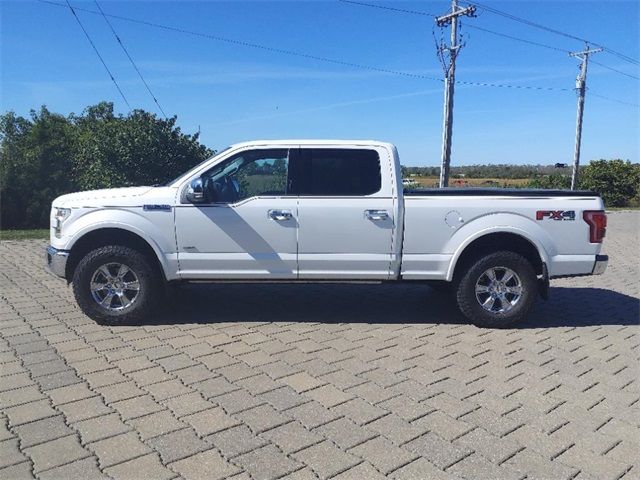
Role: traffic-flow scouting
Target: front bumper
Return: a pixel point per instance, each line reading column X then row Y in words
column 601, row 264
column 56, row 261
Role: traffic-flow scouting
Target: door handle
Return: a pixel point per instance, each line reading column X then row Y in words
column 376, row 215
column 280, row 215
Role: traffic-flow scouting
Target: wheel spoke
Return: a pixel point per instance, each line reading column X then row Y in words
column 515, row 290
column 504, row 303
column 98, row 286
column 122, row 271
column 105, row 271
column 124, row 300
column 482, row 289
column 508, row 276
column 133, row 285
column 106, row 301
column 489, row 303
column 491, row 273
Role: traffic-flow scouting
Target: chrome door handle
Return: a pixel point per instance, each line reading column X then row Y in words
column 280, row 215
column 376, row 215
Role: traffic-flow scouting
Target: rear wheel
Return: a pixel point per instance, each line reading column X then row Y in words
column 498, row 290
column 116, row 285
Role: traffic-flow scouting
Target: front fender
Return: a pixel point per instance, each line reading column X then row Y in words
column 501, row 222
column 158, row 230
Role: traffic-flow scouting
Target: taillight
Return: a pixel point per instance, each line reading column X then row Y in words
column 597, row 221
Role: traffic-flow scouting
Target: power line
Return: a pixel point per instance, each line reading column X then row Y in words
column 552, row 30
column 393, row 9
column 518, row 39
column 97, row 53
column 307, row 55
column 130, row 59
column 482, row 29
column 614, row 99
column 615, row 70
column 255, row 45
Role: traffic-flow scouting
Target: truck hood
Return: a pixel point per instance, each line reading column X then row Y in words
column 129, row 196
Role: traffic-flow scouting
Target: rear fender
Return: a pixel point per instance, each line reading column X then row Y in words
column 499, row 223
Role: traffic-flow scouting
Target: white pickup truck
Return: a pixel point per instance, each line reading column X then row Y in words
column 310, row 210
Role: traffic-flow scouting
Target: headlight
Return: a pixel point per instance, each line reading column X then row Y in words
column 60, row 215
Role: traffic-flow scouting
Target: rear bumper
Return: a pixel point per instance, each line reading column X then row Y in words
column 600, row 264
column 56, row 261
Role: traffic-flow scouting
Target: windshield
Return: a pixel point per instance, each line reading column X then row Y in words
column 166, row 184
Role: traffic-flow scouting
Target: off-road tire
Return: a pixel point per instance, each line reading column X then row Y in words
column 149, row 279
column 466, row 293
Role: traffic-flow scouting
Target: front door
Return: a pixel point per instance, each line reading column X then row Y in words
column 248, row 230
column 346, row 214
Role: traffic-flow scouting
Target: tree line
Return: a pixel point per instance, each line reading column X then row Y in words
column 47, row 154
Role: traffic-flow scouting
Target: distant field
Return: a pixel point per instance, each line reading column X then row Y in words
column 472, row 182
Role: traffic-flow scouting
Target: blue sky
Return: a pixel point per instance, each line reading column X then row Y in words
column 234, row 93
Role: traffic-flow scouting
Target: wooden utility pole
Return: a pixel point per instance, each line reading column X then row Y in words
column 449, row 68
column 581, row 88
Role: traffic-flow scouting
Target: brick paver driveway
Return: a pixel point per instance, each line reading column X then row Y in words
column 322, row 381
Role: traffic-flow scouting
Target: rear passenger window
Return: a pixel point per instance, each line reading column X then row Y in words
column 338, row 172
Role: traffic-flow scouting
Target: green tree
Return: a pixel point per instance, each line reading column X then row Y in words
column 36, row 164
column 47, row 155
column 553, row 181
column 617, row 181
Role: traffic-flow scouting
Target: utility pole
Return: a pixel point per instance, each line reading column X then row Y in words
column 581, row 88
column 449, row 68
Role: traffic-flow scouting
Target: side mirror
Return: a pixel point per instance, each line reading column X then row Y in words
column 195, row 191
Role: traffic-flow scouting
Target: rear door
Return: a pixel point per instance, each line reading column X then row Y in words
column 345, row 213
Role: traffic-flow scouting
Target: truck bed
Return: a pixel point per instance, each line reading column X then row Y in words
column 496, row 192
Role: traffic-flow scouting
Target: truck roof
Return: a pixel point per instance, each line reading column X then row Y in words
column 307, row 141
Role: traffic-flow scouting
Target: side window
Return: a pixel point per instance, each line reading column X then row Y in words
column 248, row 174
column 338, row 172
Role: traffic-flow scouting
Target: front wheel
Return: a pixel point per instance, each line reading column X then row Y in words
column 116, row 285
column 498, row 290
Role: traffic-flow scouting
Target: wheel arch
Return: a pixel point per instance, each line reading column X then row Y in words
column 112, row 236
column 494, row 241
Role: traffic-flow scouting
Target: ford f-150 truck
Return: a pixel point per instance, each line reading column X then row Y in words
column 310, row 210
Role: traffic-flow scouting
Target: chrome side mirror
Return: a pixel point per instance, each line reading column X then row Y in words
column 195, row 191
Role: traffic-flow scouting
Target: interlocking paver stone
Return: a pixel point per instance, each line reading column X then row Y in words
column 56, row 453
column 78, row 470
column 210, row 421
column 383, row 454
column 210, row 462
column 266, row 463
column 177, row 445
column 147, row 467
column 118, row 449
column 325, row 459
column 19, row 471
column 262, row 418
column 99, row 428
column 291, row 437
column 43, row 430
column 236, row 441
column 156, row 424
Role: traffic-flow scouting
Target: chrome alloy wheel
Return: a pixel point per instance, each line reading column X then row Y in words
column 114, row 286
column 498, row 289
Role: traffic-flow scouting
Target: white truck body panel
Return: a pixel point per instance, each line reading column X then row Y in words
column 330, row 237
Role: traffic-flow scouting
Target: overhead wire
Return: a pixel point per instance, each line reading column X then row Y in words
column 95, row 49
column 307, row 55
column 130, row 58
column 552, row 30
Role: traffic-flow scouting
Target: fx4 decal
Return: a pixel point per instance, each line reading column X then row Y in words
column 556, row 214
